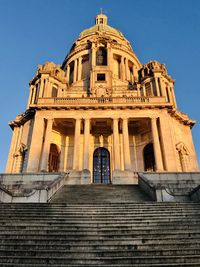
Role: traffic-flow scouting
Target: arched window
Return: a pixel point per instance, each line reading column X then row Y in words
column 101, row 57
column 54, row 158
column 148, row 89
column 149, row 159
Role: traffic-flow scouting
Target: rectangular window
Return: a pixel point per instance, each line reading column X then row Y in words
column 101, row 77
column 54, row 92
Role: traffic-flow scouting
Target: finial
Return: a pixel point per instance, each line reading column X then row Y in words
column 101, row 9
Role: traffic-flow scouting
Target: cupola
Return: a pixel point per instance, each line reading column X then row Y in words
column 101, row 19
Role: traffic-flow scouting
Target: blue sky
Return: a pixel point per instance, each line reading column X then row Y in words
column 35, row 31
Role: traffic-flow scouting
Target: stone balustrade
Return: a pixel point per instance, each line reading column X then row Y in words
column 100, row 100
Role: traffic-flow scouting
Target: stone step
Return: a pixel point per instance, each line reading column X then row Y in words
column 128, row 205
column 31, row 239
column 100, row 193
column 110, row 210
column 85, row 254
column 105, row 260
column 178, row 246
column 104, row 265
column 92, row 227
column 102, row 233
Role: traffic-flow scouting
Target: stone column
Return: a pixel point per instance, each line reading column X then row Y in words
column 169, row 148
column 156, row 145
column 157, row 86
column 163, row 89
column 76, row 144
column 135, row 73
column 79, row 68
column 109, row 63
column 86, row 144
column 93, row 55
column 36, row 145
column 17, row 163
column 75, row 70
column 41, row 87
column 127, row 159
column 46, row 146
column 122, row 68
column 30, row 98
column 62, row 154
column 48, row 88
column 34, row 94
column 116, row 144
column 127, row 69
column 144, row 90
column 173, row 97
column 68, row 73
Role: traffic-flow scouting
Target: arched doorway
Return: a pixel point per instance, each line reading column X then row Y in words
column 149, row 159
column 101, row 166
column 54, row 158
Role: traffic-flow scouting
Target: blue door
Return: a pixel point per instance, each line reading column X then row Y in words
column 101, row 166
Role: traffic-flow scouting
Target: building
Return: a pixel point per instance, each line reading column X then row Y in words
column 102, row 116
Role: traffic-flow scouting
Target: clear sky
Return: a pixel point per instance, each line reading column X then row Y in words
column 35, row 31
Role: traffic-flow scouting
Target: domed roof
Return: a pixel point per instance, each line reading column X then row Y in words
column 102, row 26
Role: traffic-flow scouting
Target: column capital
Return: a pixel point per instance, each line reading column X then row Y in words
column 125, row 119
column 154, row 118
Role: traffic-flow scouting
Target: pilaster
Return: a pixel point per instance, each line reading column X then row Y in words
column 116, row 144
column 36, row 144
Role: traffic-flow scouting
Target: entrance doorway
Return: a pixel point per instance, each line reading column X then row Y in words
column 54, row 158
column 149, row 159
column 101, row 166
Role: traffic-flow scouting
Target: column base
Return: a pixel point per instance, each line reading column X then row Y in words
column 85, row 177
column 73, row 178
column 124, row 177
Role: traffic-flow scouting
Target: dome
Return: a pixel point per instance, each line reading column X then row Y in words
column 101, row 25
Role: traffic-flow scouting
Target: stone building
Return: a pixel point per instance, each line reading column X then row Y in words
column 102, row 116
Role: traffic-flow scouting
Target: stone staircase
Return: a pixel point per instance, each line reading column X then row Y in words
column 94, row 230
column 98, row 193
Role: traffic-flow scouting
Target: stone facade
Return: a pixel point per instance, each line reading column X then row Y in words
column 102, row 116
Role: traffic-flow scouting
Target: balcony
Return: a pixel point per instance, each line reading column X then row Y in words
column 101, row 101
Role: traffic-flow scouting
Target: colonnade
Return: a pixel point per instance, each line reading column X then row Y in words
column 40, row 146
column 116, row 144
column 77, row 65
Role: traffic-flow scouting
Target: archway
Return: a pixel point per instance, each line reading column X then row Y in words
column 54, row 158
column 149, row 159
column 101, row 166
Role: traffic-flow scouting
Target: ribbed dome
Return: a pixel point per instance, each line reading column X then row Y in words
column 101, row 26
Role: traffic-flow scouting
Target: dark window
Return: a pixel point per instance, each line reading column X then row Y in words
column 54, row 158
column 54, row 92
column 149, row 159
column 101, row 57
column 101, row 77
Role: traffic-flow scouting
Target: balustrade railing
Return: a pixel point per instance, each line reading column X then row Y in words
column 99, row 100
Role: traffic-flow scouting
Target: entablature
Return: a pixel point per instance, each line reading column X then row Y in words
column 22, row 118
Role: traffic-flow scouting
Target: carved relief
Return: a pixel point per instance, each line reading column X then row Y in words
column 101, row 91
